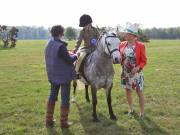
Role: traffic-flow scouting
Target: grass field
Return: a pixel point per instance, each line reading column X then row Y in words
column 24, row 91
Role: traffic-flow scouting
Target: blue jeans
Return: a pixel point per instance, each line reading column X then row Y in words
column 65, row 93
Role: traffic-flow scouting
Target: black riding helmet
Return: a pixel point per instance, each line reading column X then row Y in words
column 85, row 20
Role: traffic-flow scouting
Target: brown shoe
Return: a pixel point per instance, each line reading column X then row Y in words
column 66, row 125
column 64, row 117
column 49, row 114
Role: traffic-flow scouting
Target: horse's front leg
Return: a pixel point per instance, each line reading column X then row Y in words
column 108, row 96
column 74, row 92
column 94, row 103
column 86, row 93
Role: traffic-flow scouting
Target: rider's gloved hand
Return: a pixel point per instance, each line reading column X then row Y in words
column 78, row 54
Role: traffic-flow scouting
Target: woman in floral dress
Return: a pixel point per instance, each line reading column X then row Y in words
column 133, row 60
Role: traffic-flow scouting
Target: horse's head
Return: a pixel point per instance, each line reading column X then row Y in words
column 111, row 46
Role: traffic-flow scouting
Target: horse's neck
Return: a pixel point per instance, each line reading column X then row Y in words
column 101, row 62
column 100, row 55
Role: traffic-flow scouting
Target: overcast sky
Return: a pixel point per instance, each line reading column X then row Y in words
column 149, row 13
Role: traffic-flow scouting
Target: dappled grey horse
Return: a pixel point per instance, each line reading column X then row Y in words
column 98, row 69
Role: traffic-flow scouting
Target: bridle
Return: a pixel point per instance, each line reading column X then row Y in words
column 108, row 44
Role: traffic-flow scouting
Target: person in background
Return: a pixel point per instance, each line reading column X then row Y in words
column 13, row 36
column 133, row 60
column 60, row 72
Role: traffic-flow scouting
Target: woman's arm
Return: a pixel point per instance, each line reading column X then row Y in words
column 63, row 53
column 143, row 59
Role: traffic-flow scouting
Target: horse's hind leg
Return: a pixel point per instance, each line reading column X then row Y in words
column 74, row 92
column 86, row 93
column 108, row 96
column 94, row 103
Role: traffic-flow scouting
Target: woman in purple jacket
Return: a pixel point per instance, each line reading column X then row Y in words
column 60, row 72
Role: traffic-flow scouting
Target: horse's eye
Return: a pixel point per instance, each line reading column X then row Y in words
column 108, row 44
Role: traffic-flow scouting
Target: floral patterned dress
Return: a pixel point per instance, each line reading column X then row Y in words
column 128, row 79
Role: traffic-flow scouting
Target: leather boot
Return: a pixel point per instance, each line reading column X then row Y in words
column 49, row 114
column 64, row 117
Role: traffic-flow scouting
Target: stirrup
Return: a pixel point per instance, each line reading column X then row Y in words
column 66, row 124
column 50, row 124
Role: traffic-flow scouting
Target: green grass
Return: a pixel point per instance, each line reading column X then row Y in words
column 24, row 91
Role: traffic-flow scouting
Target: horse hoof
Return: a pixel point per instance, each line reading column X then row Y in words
column 96, row 120
column 87, row 100
column 73, row 100
column 113, row 117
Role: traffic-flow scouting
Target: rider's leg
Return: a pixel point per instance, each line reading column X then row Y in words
column 79, row 61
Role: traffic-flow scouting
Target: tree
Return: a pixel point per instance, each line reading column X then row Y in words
column 70, row 33
column 142, row 37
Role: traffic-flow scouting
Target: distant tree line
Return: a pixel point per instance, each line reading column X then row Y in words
column 43, row 33
column 26, row 32
column 71, row 33
column 163, row 33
